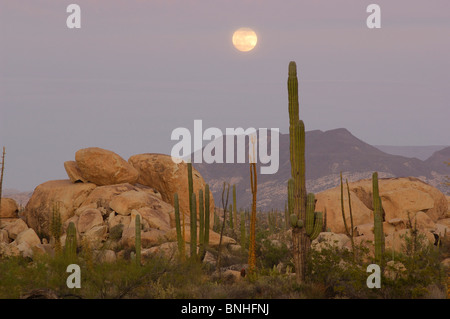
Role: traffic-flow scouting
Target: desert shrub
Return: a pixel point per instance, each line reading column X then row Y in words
column 415, row 273
column 271, row 253
column 115, row 233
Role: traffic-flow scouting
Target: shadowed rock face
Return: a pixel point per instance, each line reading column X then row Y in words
column 103, row 167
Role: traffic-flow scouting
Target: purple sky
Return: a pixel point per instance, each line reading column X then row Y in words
column 136, row 70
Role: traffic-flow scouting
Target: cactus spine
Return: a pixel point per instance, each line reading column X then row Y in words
column 180, row 237
column 377, row 220
column 70, row 247
column 138, row 239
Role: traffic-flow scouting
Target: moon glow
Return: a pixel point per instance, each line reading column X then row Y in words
column 244, row 39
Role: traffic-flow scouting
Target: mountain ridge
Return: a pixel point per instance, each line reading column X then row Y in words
column 327, row 154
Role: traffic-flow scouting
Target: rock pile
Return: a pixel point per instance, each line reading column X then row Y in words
column 406, row 202
column 102, row 197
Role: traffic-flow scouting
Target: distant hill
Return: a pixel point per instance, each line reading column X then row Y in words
column 420, row 152
column 327, row 154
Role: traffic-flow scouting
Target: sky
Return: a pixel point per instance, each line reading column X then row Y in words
column 138, row 69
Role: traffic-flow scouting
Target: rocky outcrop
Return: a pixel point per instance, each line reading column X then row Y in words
column 14, row 228
column 102, row 199
column 103, row 167
column 330, row 202
column 406, row 202
column 9, row 208
column 163, row 174
column 402, row 199
column 89, row 219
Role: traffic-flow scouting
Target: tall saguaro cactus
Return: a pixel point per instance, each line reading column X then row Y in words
column 301, row 213
column 377, row 220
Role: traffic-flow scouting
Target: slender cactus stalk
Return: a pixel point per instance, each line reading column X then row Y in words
column 378, row 221
column 201, row 232
column 207, row 215
column 252, row 244
column 180, row 237
column 243, row 235
column 224, row 207
column 138, row 239
column 193, row 227
column 235, row 215
column 349, row 232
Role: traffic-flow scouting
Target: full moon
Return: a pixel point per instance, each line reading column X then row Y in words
column 244, row 39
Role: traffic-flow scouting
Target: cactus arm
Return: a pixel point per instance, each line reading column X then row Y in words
column 138, row 239
column 318, row 223
column 310, row 204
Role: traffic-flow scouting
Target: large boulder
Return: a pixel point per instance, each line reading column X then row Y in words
column 88, row 219
column 124, row 203
column 401, row 197
column 397, row 240
column 28, row 237
column 63, row 194
column 329, row 202
column 103, row 167
column 160, row 172
column 15, row 228
column 101, row 197
column 73, row 172
column 149, row 238
column 448, row 209
column 9, row 208
column 330, row 240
